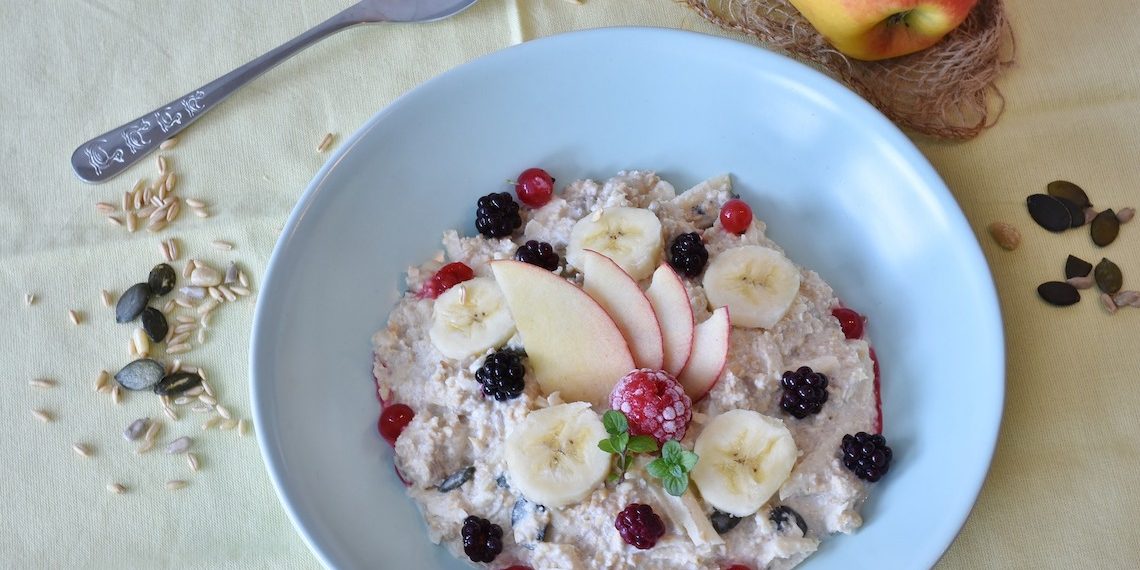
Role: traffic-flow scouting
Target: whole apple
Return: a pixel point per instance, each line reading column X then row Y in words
column 880, row 29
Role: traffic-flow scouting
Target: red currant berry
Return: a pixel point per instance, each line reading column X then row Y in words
column 850, row 321
column 738, row 567
column 447, row 277
column 735, row 216
column 535, row 187
column 393, row 420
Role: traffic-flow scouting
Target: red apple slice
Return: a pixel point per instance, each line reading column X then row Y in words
column 572, row 344
column 622, row 298
column 670, row 301
column 710, row 353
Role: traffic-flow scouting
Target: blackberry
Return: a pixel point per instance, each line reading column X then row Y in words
column 502, row 375
column 687, row 254
column 640, row 526
column 498, row 215
column 867, row 455
column 805, row 392
column 538, row 253
column 482, row 541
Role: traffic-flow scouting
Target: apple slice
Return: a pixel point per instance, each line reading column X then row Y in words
column 621, row 297
column 670, row 302
column 572, row 344
column 710, row 353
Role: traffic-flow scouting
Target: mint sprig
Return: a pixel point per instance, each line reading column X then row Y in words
column 621, row 444
column 673, row 467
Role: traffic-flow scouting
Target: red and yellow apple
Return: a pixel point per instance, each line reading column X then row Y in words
column 880, row 29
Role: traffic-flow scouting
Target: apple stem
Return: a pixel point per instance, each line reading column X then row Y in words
column 898, row 18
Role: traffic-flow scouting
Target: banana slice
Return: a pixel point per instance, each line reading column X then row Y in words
column 629, row 236
column 756, row 283
column 553, row 457
column 469, row 318
column 744, row 458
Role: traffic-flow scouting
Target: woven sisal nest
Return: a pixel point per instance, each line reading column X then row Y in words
column 946, row 91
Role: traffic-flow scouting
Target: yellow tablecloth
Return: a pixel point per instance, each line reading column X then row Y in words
column 1062, row 492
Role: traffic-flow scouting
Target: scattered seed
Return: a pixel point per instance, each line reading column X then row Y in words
column 105, row 295
column 195, row 203
column 101, row 380
column 239, row 290
column 193, row 292
column 172, row 245
column 1108, row 276
column 185, row 319
column 1077, row 267
column 142, row 341
column 181, row 348
column 82, row 449
column 207, row 399
column 156, row 227
column 146, row 446
column 231, row 274
column 180, row 445
column 213, row 421
column 223, row 411
column 74, row 316
column 177, row 383
column 1125, row 215
column 1105, row 227
column 116, row 488
column 1129, row 298
column 170, row 413
column 132, row 222
column 1005, row 235
column 140, row 374
column 41, row 415
column 169, row 306
column 205, row 321
column 132, row 350
column 227, row 293
column 182, row 400
column 132, row 302
column 154, row 324
column 173, row 211
column 169, row 143
column 1049, row 212
column 456, row 480
column 30, row 299
column 171, row 181
column 176, row 485
column 117, row 395
column 104, row 207
column 242, row 427
column 161, row 279
column 129, row 199
column 115, row 220
column 192, row 461
column 1108, row 303
column 201, row 408
column 205, row 276
column 136, row 429
column 1081, row 283
column 208, row 306
column 242, row 279
column 325, row 142
column 215, row 294
column 201, row 213
column 42, row 383
column 153, row 431
column 222, row 245
column 1058, row 293
column 228, row 425
column 183, row 302
column 206, row 384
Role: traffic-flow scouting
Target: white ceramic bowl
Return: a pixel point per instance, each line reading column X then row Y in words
column 840, row 188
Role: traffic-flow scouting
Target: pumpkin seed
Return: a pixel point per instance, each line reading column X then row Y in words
column 457, row 479
column 723, row 522
column 154, row 323
column 140, row 374
column 1076, row 213
column 1105, row 227
column 132, row 302
column 780, row 515
column 1108, row 276
column 161, row 279
column 1068, row 191
column 177, row 383
column 1077, row 267
column 1049, row 212
column 1058, row 293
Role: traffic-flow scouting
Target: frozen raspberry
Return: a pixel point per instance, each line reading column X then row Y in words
column 447, row 277
column 640, row 526
column 655, row 404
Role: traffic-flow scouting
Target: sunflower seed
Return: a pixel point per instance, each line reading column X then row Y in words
column 195, row 203
column 176, row 485
column 1081, row 283
column 207, row 399
column 192, row 461
column 146, row 446
column 239, row 291
column 1125, row 215
column 82, row 449
column 183, row 302
column 140, row 374
column 42, row 383
column 211, row 422
column 104, row 208
column 182, row 400
column 101, row 380
column 194, row 392
column 30, row 299
column 1058, row 293
column 136, row 429
column 128, row 199
column 205, row 276
column 228, row 425
column 169, row 306
column 222, row 245
column 117, row 394
column 781, row 515
column 1129, row 298
column 205, row 321
column 227, row 293
column 1108, row 276
column 208, row 306
column 116, row 488
column 180, row 445
column 325, row 142
column 105, row 295
column 242, row 280
column 1104, row 228
column 201, row 213
column 74, row 316
column 1049, row 212
column 224, row 412
column 242, row 427
column 1005, row 235
column 206, row 384
column 41, row 415
column 193, row 292
column 177, row 383
column 132, row 302
column 114, row 220
column 215, row 294
column 172, row 244
column 153, row 431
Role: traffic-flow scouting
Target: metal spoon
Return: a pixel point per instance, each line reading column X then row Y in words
column 105, row 156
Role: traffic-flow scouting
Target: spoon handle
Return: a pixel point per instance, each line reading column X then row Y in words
column 110, row 153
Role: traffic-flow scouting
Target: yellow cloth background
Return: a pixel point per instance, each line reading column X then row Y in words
column 1062, row 491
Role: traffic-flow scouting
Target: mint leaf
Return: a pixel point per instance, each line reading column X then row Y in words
column 689, row 460
column 671, row 451
column 619, row 441
column 676, row 470
column 615, row 422
column 642, row 444
column 613, row 476
column 607, row 446
column 676, row 486
column 628, row 461
column 658, row 468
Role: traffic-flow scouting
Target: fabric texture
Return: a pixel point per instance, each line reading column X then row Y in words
column 1061, row 493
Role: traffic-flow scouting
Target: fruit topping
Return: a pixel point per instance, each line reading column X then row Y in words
column 535, row 186
column 639, row 526
column 393, row 420
column 868, row 456
column 470, row 318
column 552, row 456
column 745, row 457
column 538, row 253
column 735, row 216
column 756, row 283
column 502, row 375
column 498, row 215
column 654, row 403
column 805, row 392
column 850, row 321
column 631, row 237
column 447, row 277
column 482, row 540
column 687, row 254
